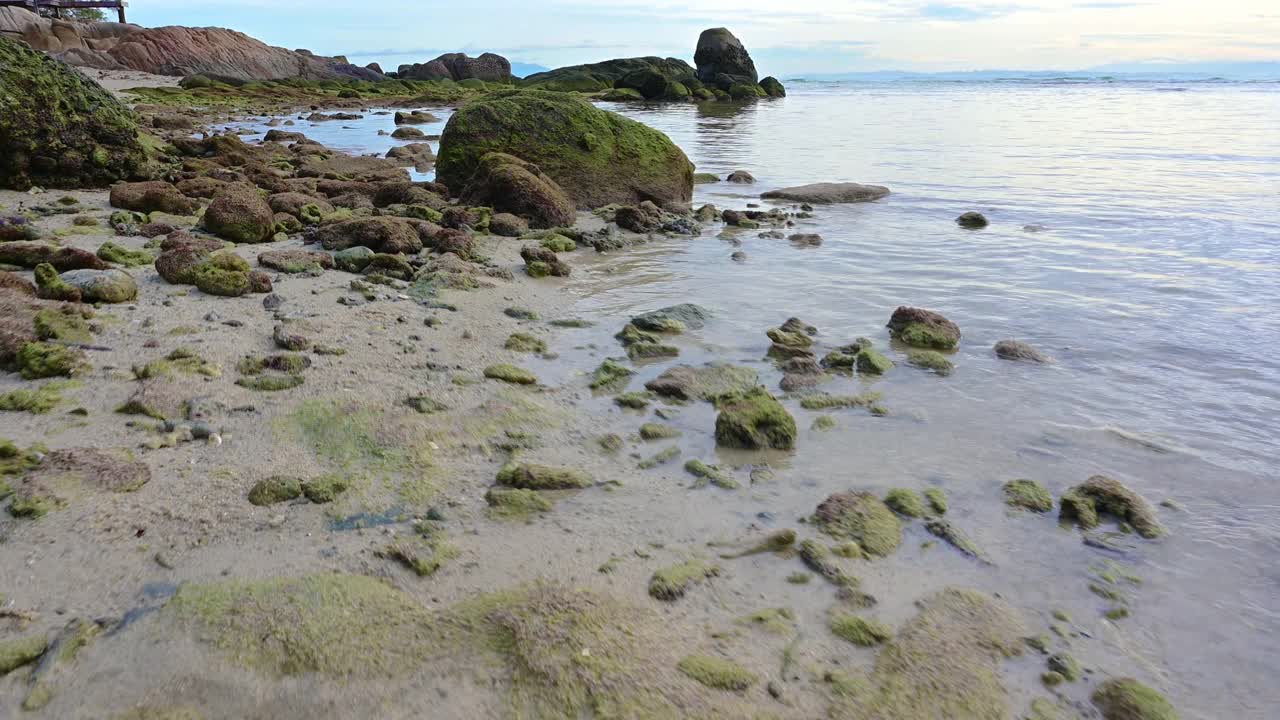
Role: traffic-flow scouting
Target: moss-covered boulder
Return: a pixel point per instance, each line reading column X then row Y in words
column 60, row 129
column 508, row 184
column 106, row 286
column 1099, row 495
column 240, row 214
column 754, row 420
column 596, row 156
column 1027, row 495
column 862, row 517
column 390, row 235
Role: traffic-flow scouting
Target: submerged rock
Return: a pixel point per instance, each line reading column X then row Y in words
column 1128, row 699
column 923, row 328
column 671, row 583
column 1084, row 503
column 597, row 157
column 862, row 517
column 1018, row 350
column 686, row 382
column 675, row 318
column 1028, row 495
column 828, row 193
column 944, row 663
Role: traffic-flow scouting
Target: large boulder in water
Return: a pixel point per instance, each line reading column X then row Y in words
column 508, row 184
column 458, row 66
column 722, row 60
column 594, row 77
column 598, row 157
column 58, row 129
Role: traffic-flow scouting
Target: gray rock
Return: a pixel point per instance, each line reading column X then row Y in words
column 722, row 60
column 741, row 177
column 1018, row 350
column 828, row 193
column 972, row 220
column 107, row 286
column 687, row 315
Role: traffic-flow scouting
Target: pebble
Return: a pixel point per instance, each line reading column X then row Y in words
column 272, row 301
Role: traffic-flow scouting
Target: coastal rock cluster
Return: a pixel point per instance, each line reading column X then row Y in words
column 458, row 67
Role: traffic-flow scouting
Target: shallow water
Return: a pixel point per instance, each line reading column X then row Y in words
column 1135, row 237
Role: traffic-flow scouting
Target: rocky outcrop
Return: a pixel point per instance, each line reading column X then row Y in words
column 829, row 193
column 214, row 52
column 59, row 129
column 595, row 77
column 597, row 157
column 458, row 67
column 722, row 60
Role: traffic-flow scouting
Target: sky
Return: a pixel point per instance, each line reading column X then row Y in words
column 787, row 39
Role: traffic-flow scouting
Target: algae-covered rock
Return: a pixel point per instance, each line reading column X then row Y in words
column 717, row 672
column 818, row 559
column 596, row 156
column 152, row 196
column 516, row 502
column 943, row 664
column 710, row 474
column 924, row 329
column 240, row 214
column 708, row 382
column 754, row 420
column 275, row 489
column 510, row 374
column 1028, row 495
column 1128, row 699
column 671, row 583
column 862, row 517
column 58, row 129
column 104, row 286
column 937, row 500
column 905, row 502
column 381, row 234
column 611, row 377
column 510, row 185
column 675, row 319
column 43, row 360
column 859, row 630
column 931, row 360
column 1018, row 350
column 353, row 259
column 324, row 489
column 121, row 255
column 1103, row 495
column 525, row 343
column 542, row 477
column 21, row 651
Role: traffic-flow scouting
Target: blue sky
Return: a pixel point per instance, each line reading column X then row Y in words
column 786, row 38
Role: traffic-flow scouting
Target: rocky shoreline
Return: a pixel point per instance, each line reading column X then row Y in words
column 295, row 438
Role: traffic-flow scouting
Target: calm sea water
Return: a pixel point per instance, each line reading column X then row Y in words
column 1135, row 237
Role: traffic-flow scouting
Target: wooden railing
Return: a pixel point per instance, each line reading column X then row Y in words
column 55, row 7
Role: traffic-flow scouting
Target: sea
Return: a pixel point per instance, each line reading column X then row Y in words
column 1134, row 237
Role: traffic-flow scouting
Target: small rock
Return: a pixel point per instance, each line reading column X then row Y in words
column 972, row 220
column 272, row 301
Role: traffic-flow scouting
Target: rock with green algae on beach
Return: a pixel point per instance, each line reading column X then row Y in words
column 944, row 663
column 58, row 129
column 671, row 583
column 102, row 286
column 1128, row 699
column 1027, row 495
column 1084, row 503
column 510, row 185
column 510, row 374
column 548, row 650
column 707, row 382
column 716, row 672
column 862, row 517
column 596, row 156
column 240, row 213
column 754, row 420
column 905, row 502
column 859, row 630
column 531, row 476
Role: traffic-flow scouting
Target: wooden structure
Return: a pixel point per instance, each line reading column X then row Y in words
column 56, row 8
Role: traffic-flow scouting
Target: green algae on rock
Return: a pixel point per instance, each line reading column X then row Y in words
column 596, row 156
column 510, row 374
column 542, row 477
column 1100, row 494
column 275, row 489
column 658, row 431
column 121, row 255
column 44, row 360
column 862, row 517
column 39, row 401
column 922, row 328
column 818, row 559
column 516, row 502
column 1027, row 495
column 60, row 129
column 776, row 541
column 324, row 489
column 710, row 474
column 21, row 651
column 859, row 630
column 905, row 502
column 671, row 583
column 717, row 672
column 937, row 500
column 611, row 376
column 754, row 420
column 707, row 382
column 1128, row 699
column 944, row 663
column 931, row 360
column 526, row 343
column 240, row 213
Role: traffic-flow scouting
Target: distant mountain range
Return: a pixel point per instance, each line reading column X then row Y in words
column 1155, row 72
column 523, row 69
